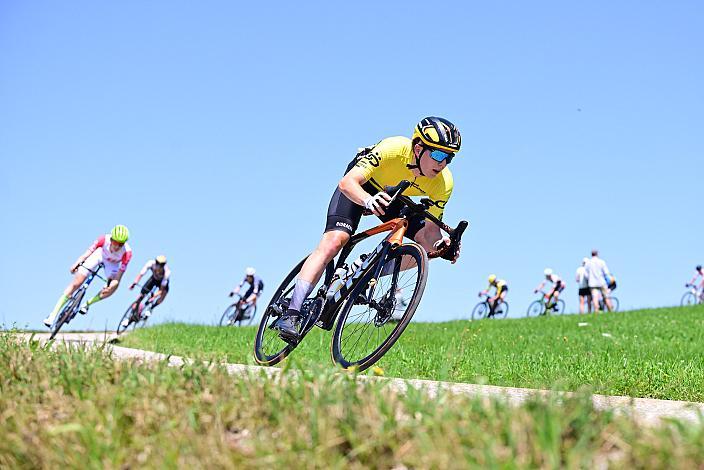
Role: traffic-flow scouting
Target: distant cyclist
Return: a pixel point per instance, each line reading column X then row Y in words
column 256, row 286
column 698, row 274
column 557, row 286
column 499, row 294
column 160, row 274
column 113, row 253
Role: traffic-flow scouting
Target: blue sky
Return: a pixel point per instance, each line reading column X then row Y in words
column 217, row 132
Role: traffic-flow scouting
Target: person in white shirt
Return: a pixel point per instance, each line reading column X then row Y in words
column 583, row 285
column 597, row 271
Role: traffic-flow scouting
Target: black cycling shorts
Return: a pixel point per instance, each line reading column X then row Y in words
column 585, row 291
column 152, row 283
column 344, row 215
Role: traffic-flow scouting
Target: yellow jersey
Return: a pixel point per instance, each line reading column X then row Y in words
column 499, row 285
column 387, row 163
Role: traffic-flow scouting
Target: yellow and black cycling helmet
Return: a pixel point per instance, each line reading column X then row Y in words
column 438, row 133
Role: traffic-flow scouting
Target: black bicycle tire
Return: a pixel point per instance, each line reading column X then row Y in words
column 67, row 311
column 248, row 321
column 142, row 321
column 366, row 362
column 226, row 314
column 560, row 310
column 477, row 308
column 262, row 358
column 505, row 312
column 128, row 315
column 530, row 307
column 688, row 295
column 615, row 304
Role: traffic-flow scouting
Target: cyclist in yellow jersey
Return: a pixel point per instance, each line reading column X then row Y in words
column 500, row 294
column 422, row 160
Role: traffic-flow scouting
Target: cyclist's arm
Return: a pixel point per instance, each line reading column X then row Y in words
column 351, row 186
column 99, row 242
column 540, row 286
column 236, row 290
column 126, row 257
column 144, row 270
column 167, row 274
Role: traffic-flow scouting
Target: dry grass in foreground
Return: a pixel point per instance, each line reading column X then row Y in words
column 80, row 408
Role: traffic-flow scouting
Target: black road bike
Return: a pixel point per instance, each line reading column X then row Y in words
column 239, row 313
column 541, row 306
column 483, row 309
column 361, row 302
column 137, row 314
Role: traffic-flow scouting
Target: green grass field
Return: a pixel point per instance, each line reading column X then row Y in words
column 80, row 408
column 647, row 353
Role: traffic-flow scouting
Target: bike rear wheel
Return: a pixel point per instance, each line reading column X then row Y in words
column 228, row 318
column 689, row 298
column 269, row 348
column 364, row 332
column 614, row 304
column 480, row 311
column 558, row 308
column 501, row 310
column 246, row 317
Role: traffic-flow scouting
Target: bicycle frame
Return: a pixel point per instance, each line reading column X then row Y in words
column 77, row 296
column 397, row 228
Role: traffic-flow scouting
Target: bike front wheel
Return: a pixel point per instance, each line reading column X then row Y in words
column 480, row 311
column 365, row 330
column 535, row 308
column 689, row 298
column 122, row 326
column 228, row 318
column 66, row 313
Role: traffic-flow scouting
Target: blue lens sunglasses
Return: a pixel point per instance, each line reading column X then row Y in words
column 439, row 155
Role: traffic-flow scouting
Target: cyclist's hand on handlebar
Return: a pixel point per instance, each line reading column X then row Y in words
column 450, row 255
column 378, row 203
column 231, row 294
column 535, row 291
column 74, row 268
column 132, row 285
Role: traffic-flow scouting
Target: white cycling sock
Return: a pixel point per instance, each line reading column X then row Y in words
column 300, row 292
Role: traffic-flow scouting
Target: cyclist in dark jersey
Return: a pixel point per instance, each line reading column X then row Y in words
column 159, row 278
column 256, row 286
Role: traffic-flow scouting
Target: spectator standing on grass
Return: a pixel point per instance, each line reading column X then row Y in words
column 583, row 285
column 597, row 271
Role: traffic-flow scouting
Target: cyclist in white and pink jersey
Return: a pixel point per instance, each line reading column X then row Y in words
column 110, row 251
